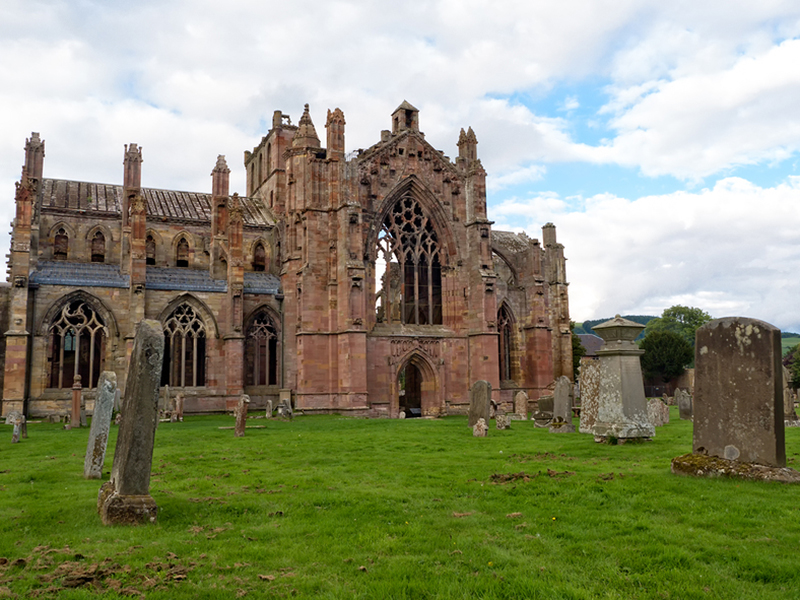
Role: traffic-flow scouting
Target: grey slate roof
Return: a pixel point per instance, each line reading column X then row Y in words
column 59, row 272
column 178, row 278
column 107, row 198
column 261, row 283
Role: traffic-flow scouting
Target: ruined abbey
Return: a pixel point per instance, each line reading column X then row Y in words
column 368, row 283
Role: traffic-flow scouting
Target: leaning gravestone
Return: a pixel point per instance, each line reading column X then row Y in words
column 480, row 396
column 520, row 406
column 590, row 393
column 101, row 423
column 126, row 499
column 657, row 412
column 622, row 406
column 241, row 415
column 684, row 402
column 738, row 401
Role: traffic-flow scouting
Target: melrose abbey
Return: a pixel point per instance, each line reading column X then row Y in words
column 369, row 283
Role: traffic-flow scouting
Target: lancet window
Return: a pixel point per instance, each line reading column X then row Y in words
column 184, row 348
column 182, row 255
column 76, row 346
column 261, row 352
column 99, row 247
column 60, row 245
column 150, row 250
column 259, row 258
column 504, row 342
column 408, row 267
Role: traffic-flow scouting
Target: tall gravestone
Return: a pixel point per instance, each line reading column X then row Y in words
column 657, row 412
column 622, row 406
column 480, row 396
column 562, row 407
column 241, row 415
column 590, row 393
column 684, row 402
column 738, row 401
column 126, row 497
column 520, row 406
column 101, row 424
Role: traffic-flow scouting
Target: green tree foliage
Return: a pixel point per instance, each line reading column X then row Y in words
column 792, row 362
column 683, row 320
column 666, row 355
column 578, row 350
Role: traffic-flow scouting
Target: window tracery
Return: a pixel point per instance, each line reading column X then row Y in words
column 261, row 352
column 184, row 348
column 76, row 345
column 504, row 345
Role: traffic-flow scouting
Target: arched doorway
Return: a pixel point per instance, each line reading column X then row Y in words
column 409, row 384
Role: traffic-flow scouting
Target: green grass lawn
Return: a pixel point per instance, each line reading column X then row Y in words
column 328, row 507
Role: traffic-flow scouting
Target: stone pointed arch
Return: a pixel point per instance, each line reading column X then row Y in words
column 431, row 400
column 502, row 256
column 93, row 301
column 212, row 329
column 263, row 348
column 507, row 344
column 411, row 185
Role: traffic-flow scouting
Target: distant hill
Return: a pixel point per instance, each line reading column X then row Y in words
column 586, row 326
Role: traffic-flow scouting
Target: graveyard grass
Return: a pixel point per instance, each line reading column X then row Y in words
column 331, row 507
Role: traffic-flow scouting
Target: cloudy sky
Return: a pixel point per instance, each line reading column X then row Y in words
column 662, row 138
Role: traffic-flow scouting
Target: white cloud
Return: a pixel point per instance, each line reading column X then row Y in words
column 731, row 249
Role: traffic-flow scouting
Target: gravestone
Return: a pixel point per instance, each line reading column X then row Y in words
column 684, row 402
column 126, row 499
column 789, row 415
column 738, row 402
column 562, row 399
column 285, row 410
column 118, row 400
column 179, row 399
column 503, row 421
column 77, row 403
column 543, row 414
column 622, row 406
column 520, row 406
column 269, row 409
column 241, row 415
column 480, row 428
column 657, row 412
column 480, row 396
column 17, row 420
column 101, row 423
column 590, row 393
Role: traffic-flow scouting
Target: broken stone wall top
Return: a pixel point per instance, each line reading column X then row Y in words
column 738, row 402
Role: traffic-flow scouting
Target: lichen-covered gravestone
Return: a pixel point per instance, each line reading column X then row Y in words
column 789, row 415
column 503, row 421
column 684, row 402
column 241, row 415
column 738, row 401
column 101, row 423
column 126, row 499
column 622, row 406
column 17, row 420
column 590, row 394
column 480, row 396
column 520, row 406
column 480, row 428
column 657, row 412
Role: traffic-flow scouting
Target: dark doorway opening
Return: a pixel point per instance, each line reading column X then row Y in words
column 410, row 385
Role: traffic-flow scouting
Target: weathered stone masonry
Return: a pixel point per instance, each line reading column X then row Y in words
column 369, row 283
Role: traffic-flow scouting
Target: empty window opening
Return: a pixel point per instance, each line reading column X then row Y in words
column 182, row 258
column 150, row 250
column 60, row 245
column 259, row 258
column 99, row 247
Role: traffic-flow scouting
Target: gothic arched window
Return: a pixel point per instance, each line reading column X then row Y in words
column 150, row 250
column 261, row 351
column 259, row 258
column 182, row 254
column 408, row 267
column 99, row 247
column 184, row 348
column 61, row 245
column 504, row 345
column 76, row 346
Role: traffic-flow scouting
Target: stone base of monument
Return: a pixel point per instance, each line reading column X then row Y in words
column 792, row 422
column 541, row 418
column 557, row 426
column 701, row 465
column 622, row 431
column 116, row 509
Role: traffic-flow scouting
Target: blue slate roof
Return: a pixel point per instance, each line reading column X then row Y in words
column 60, row 272
column 261, row 283
column 188, row 280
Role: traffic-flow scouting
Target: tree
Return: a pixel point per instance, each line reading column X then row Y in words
column 578, row 351
column 791, row 361
column 683, row 320
column 666, row 355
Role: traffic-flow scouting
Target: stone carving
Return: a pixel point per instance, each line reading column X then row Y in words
column 738, row 403
column 479, row 399
column 101, row 423
column 657, row 412
column 241, row 415
column 544, row 411
column 285, row 410
column 520, row 406
column 480, row 428
column 684, row 402
column 622, row 406
column 590, row 394
column 503, row 421
column 126, row 499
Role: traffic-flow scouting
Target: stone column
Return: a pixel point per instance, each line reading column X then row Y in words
column 126, row 499
column 75, row 415
column 622, row 406
column 101, row 423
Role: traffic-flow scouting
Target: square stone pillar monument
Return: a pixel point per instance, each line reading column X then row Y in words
column 621, row 406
